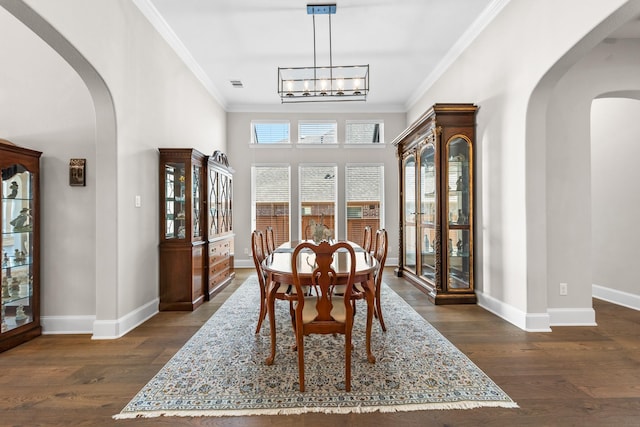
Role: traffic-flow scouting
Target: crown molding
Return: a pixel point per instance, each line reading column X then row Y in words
column 162, row 27
column 460, row 46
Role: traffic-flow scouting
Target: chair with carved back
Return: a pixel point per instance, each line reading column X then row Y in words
column 258, row 253
column 380, row 254
column 269, row 240
column 322, row 311
column 281, row 293
column 366, row 239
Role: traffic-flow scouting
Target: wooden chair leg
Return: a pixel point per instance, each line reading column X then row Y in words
column 347, row 352
column 379, row 312
column 300, row 345
column 262, row 315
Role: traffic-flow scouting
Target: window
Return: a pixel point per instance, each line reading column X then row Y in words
column 318, row 197
column 364, row 199
column 364, row 131
column 317, row 132
column 271, row 200
column 270, row 132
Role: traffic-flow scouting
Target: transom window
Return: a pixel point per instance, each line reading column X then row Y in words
column 270, row 132
column 317, row 132
column 364, row 131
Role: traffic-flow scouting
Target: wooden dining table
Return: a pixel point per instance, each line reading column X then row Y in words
column 279, row 273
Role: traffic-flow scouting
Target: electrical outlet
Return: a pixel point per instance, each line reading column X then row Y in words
column 246, row 251
column 563, row 289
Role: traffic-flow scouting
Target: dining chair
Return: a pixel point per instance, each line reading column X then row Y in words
column 366, row 239
column 322, row 311
column 258, row 253
column 269, row 240
column 380, row 254
column 281, row 293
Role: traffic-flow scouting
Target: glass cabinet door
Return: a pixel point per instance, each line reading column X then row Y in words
column 409, row 220
column 197, row 200
column 428, row 211
column 459, row 206
column 17, row 247
column 175, row 201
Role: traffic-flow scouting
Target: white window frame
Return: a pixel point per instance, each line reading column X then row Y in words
column 381, row 215
column 255, row 143
column 254, row 212
column 335, row 201
column 364, row 121
column 335, row 130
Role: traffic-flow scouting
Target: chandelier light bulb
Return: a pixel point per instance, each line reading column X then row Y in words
column 356, row 86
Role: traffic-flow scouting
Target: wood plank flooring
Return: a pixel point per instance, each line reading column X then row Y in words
column 573, row 376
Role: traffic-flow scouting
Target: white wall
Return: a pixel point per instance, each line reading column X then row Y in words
column 45, row 106
column 501, row 72
column 615, row 202
column 158, row 103
column 242, row 156
column 608, row 68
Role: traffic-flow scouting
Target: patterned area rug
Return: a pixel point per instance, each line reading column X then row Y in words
column 221, row 370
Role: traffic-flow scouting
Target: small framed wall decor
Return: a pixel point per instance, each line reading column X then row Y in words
column 77, row 172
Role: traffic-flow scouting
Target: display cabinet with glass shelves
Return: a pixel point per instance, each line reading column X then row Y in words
column 182, row 237
column 435, row 156
column 19, row 218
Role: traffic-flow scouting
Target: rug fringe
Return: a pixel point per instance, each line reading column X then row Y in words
column 304, row 410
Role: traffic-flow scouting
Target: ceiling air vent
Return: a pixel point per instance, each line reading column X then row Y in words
column 237, row 84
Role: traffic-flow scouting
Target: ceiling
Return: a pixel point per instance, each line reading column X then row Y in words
column 405, row 43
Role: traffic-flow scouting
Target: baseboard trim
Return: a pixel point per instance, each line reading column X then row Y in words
column 572, row 316
column 54, row 325
column 617, row 297
column 530, row 322
column 112, row 329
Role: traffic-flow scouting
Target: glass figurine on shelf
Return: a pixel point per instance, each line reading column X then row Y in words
column 5, row 288
column 14, row 288
column 23, row 221
column 460, row 184
column 462, row 217
column 459, row 246
column 5, row 260
column 21, row 316
column 450, row 246
column 14, row 190
column 4, row 326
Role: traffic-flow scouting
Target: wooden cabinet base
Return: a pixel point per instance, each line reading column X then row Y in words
column 220, row 285
column 17, row 339
column 438, row 298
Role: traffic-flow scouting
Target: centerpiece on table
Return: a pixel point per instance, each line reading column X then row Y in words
column 319, row 231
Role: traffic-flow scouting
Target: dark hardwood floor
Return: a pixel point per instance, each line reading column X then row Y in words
column 573, row 376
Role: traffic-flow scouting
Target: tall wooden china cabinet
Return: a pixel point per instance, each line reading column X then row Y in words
column 20, row 219
column 196, row 233
column 436, row 158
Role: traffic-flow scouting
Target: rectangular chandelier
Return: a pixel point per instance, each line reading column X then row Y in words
column 327, row 83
